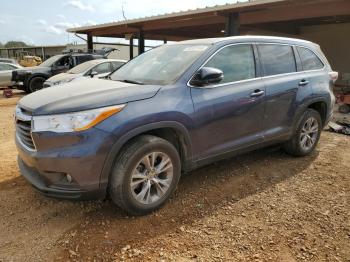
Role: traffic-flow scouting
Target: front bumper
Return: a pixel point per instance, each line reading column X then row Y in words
column 38, row 182
column 79, row 155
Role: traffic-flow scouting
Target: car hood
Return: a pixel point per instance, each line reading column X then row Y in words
column 34, row 69
column 65, row 77
column 84, row 95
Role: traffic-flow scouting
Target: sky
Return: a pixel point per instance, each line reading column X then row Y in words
column 44, row 22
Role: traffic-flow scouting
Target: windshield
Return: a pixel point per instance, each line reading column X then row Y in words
column 79, row 69
column 159, row 66
column 49, row 62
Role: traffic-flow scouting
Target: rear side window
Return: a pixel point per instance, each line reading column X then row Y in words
column 236, row 62
column 309, row 60
column 277, row 59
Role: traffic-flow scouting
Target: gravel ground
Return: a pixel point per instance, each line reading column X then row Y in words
column 263, row 206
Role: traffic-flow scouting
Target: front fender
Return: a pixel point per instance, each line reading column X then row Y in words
column 108, row 165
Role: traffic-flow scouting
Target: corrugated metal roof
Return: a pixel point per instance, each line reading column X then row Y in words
column 238, row 5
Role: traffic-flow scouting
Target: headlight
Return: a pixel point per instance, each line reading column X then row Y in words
column 77, row 121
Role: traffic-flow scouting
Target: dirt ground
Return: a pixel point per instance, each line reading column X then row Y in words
column 263, row 206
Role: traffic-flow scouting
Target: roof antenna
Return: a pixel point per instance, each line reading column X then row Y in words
column 123, row 12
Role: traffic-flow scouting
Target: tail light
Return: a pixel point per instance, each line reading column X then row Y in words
column 333, row 76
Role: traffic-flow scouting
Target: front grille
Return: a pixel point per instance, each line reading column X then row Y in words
column 23, row 130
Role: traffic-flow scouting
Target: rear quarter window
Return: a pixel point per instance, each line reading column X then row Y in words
column 309, row 59
column 277, row 59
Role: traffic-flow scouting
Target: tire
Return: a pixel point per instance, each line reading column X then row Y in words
column 344, row 109
column 36, row 83
column 131, row 167
column 303, row 143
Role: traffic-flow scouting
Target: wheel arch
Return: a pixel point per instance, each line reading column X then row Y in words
column 172, row 131
column 30, row 78
column 318, row 104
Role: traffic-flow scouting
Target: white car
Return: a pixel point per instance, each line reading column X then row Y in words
column 98, row 68
column 6, row 74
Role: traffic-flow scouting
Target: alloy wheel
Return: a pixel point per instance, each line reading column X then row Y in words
column 151, row 178
column 309, row 134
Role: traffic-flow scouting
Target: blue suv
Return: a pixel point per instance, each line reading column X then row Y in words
column 170, row 110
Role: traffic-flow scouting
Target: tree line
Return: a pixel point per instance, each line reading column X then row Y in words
column 10, row 44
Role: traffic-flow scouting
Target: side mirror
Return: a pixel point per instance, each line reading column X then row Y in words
column 93, row 73
column 206, row 76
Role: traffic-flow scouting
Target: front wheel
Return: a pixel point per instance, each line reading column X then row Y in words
column 36, row 83
column 145, row 175
column 306, row 136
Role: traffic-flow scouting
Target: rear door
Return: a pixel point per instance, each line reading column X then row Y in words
column 314, row 69
column 229, row 115
column 285, row 86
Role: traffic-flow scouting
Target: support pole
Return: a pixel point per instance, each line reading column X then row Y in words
column 131, row 46
column 43, row 52
column 90, row 46
column 232, row 24
column 141, row 42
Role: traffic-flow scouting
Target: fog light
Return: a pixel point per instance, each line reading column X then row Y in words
column 69, row 178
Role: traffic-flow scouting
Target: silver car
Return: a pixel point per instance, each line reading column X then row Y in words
column 6, row 73
column 94, row 68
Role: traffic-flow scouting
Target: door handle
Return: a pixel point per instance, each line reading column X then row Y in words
column 303, row 83
column 257, row 93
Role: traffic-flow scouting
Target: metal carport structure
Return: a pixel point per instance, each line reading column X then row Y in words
column 273, row 17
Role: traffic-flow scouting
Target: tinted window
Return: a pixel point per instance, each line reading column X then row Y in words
column 236, row 62
column 309, row 60
column 102, row 68
column 64, row 61
column 83, row 58
column 277, row 59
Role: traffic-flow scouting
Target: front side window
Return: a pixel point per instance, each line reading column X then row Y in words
column 309, row 60
column 116, row 65
column 277, row 59
column 236, row 62
column 102, row 68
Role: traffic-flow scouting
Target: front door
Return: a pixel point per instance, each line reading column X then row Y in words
column 229, row 115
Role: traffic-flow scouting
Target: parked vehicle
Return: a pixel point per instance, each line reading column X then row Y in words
column 33, row 78
column 9, row 61
column 170, row 110
column 30, row 61
column 6, row 73
column 99, row 68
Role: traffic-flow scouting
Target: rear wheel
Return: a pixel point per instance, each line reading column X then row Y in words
column 145, row 175
column 306, row 136
column 36, row 83
column 344, row 109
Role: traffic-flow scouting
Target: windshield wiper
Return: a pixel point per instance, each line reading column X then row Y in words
column 131, row 81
